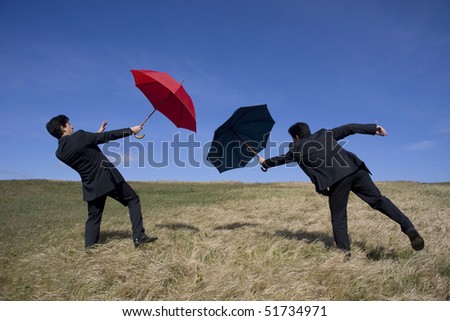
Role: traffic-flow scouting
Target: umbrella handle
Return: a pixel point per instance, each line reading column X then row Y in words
column 143, row 123
column 256, row 155
column 139, row 136
column 145, row 120
column 251, row 149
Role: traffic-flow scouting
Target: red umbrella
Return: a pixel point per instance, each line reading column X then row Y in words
column 167, row 96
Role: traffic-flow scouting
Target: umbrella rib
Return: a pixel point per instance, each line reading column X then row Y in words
column 181, row 113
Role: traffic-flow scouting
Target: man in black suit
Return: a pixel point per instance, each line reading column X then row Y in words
column 99, row 177
column 335, row 172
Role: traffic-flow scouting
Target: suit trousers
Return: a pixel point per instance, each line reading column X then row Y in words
column 362, row 185
column 125, row 195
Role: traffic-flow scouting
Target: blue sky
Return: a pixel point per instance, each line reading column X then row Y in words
column 327, row 63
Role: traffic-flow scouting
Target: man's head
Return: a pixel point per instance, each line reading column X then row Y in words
column 299, row 131
column 59, row 126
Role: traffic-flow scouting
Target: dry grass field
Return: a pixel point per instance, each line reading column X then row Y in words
column 221, row 241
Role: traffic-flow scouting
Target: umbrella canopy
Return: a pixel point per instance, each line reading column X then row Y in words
column 240, row 138
column 167, row 96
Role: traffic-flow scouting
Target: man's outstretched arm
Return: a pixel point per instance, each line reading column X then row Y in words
column 277, row 160
column 350, row 129
column 103, row 136
column 134, row 129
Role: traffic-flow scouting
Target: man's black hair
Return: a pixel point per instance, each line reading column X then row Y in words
column 55, row 124
column 299, row 129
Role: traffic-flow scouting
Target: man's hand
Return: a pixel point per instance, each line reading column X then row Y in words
column 261, row 161
column 381, row 131
column 102, row 126
column 136, row 129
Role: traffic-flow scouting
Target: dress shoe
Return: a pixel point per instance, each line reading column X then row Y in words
column 416, row 240
column 143, row 239
column 347, row 256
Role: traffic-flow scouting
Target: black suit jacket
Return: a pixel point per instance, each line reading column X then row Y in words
column 80, row 152
column 322, row 158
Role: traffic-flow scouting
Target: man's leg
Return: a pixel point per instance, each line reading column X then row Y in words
column 338, row 200
column 125, row 194
column 92, row 228
column 365, row 188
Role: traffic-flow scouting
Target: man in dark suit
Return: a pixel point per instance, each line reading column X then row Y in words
column 99, row 177
column 335, row 172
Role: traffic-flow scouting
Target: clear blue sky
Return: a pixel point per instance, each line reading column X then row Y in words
column 327, row 63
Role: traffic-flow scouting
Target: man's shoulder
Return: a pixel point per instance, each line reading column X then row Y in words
column 75, row 134
column 70, row 142
column 317, row 137
column 81, row 132
column 321, row 132
column 81, row 135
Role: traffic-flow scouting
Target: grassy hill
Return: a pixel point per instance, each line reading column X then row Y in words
column 221, row 241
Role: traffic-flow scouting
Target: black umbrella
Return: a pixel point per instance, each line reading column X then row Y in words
column 240, row 138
